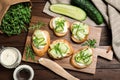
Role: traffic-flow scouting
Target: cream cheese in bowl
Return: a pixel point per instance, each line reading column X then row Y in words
column 10, row 57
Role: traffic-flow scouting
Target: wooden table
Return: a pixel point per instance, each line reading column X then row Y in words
column 106, row 70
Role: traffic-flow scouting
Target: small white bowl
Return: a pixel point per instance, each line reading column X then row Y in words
column 23, row 67
column 18, row 57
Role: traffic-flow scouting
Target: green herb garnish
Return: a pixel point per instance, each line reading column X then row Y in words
column 59, row 25
column 39, row 41
column 60, row 48
column 15, row 19
column 79, row 31
column 91, row 43
column 37, row 26
column 29, row 53
column 83, row 56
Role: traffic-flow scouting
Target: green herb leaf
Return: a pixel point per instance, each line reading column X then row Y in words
column 29, row 53
column 37, row 26
column 91, row 43
column 59, row 25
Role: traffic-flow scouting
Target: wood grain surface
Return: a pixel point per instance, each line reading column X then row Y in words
column 95, row 33
column 106, row 70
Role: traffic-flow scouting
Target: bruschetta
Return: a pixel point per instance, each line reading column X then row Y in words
column 59, row 49
column 80, row 32
column 40, row 42
column 59, row 25
column 82, row 58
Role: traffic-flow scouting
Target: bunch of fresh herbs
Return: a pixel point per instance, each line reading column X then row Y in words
column 15, row 19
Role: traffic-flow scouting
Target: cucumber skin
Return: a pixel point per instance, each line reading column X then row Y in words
column 90, row 10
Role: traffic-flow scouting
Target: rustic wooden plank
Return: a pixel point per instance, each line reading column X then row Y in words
column 101, row 74
column 95, row 34
column 37, row 10
column 106, row 70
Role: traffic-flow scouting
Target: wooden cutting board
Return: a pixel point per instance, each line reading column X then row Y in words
column 95, row 33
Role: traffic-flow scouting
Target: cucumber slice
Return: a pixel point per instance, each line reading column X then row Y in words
column 69, row 10
column 60, row 50
column 63, row 48
column 59, row 29
column 89, row 61
column 52, row 46
column 54, row 54
column 43, row 43
column 80, row 35
column 38, row 34
column 40, row 40
column 78, row 59
column 74, row 30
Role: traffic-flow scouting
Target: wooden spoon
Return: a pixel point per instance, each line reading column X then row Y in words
column 56, row 68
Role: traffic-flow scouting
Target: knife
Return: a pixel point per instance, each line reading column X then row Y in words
column 56, row 68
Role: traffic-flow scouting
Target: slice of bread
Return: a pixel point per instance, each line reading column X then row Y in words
column 73, row 35
column 42, row 51
column 82, row 61
column 66, row 23
column 58, row 52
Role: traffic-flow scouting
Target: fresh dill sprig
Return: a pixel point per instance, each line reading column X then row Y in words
column 29, row 53
column 37, row 26
column 91, row 43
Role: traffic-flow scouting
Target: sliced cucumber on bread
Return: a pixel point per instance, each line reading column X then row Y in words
column 79, row 32
column 69, row 10
column 82, row 58
column 40, row 42
column 59, row 49
column 59, row 25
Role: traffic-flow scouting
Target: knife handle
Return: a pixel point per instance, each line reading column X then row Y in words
column 56, row 68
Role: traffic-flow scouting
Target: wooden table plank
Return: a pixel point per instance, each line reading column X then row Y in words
column 106, row 70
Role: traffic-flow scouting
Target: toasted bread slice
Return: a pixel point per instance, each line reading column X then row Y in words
column 82, row 59
column 66, row 25
column 41, row 51
column 59, row 49
column 82, row 39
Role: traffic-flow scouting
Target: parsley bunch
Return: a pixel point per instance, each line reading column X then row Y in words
column 15, row 19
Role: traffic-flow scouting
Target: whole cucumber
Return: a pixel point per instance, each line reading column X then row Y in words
column 90, row 10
